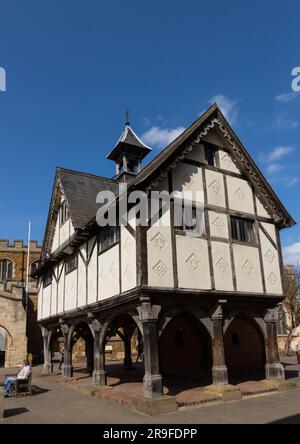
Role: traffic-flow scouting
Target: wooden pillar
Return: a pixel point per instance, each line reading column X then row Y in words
column 99, row 374
column 127, row 351
column 274, row 369
column 152, row 379
column 219, row 369
column 67, row 370
column 89, row 351
column 48, row 366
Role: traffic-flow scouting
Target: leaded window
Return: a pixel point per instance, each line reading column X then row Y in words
column 6, row 269
column 242, row 229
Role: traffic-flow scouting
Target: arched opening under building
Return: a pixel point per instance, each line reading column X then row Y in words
column 185, row 353
column 82, row 349
column 244, row 350
column 122, row 341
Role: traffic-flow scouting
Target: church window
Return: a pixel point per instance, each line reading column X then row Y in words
column 6, row 269
column 71, row 263
column 242, row 229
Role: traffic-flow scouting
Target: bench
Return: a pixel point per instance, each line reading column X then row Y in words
column 22, row 387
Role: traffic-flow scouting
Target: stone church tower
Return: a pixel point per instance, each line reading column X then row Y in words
column 19, row 332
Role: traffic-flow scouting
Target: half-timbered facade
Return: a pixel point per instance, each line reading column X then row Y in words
column 205, row 303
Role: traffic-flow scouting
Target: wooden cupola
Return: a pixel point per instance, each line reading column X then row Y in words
column 128, row 154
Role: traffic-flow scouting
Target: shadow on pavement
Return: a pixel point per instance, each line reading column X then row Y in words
column 294, row 419
column 16, row 411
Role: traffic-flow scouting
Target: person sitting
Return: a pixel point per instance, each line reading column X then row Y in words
column 23, row 374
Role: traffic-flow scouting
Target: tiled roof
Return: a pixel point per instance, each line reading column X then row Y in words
column 81, row 190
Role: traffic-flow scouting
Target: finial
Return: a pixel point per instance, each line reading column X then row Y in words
column 127, row 123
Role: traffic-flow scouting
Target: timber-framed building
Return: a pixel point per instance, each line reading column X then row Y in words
column 205, row 305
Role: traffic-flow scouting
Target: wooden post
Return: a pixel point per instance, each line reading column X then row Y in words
column 67, row 370
column 152, row 379
column 274, row 369
column 99, row 374
column 219, row 369
column 47, row 367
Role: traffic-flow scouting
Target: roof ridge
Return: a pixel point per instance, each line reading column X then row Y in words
column 82, row 173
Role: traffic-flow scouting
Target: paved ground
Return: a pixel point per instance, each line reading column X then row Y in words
column 56, row 404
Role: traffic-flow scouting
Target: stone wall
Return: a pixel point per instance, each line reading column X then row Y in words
column 21, row 331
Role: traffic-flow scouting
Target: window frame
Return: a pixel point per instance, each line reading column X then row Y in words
column 47, row 278
column 9, row 266
column 104, row 245
column 252, row 240
column 71, row 263
column 186, row 229
column 64, row 214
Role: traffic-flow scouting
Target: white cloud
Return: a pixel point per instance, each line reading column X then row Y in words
column 284, row 122
column 286, row 97
column 290, row 182
column 291, row 254
column 279, row 152
column 273, row 168
column 227, row 106
column 159, row 137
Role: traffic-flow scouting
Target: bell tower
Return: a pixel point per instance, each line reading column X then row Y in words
column 128, row 153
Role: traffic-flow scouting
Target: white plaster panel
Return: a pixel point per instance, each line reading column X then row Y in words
column 64, row 232
column 222, row 266
column 54, row 293
column 159, row 249
column 128, row 260
column 218, row 224
column 40, row 299
column 270, row 229
column 55, row 242
column 60, row 287
column 197, row 153
column 227, row 162
column 270, row 265
column 261, row 210
column 215, row 188
column 82, row 277
column 192, row 263
column 247, row 268
column 92, row 273
column 188, row 179
column 46, row 301
column 108, row 272
column 240, row 196
column 70, row 290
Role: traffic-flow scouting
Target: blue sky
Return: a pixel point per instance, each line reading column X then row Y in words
column 73, row 67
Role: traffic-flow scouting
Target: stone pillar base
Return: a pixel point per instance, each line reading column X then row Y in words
column 227, row 392
column 67, row 371
column 219, row 374
column 155, row 406
column 99, row 377
column 274, row 371
column 152, row 386
column 47, row 368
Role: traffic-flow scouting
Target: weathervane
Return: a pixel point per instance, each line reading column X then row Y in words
column 127, row 123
